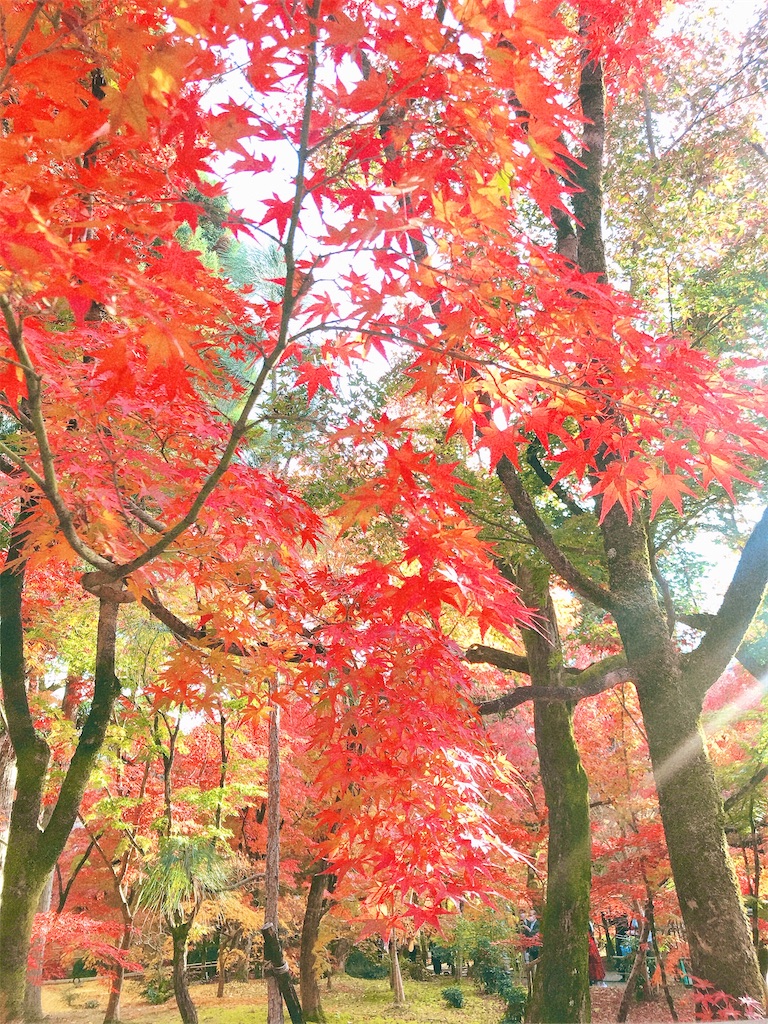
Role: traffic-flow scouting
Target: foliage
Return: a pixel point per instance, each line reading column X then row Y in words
column 158, row 988
column 491, row 966
column 714, row 1005
column 516, row 998
column 420, row 156
column 454, row 996
column 187, row 869
column 367, row 961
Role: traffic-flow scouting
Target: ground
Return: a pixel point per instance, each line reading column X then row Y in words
column 350, row 1002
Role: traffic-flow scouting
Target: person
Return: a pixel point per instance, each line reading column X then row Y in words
column 623, row 945
column 529, row 926
column 596, row 968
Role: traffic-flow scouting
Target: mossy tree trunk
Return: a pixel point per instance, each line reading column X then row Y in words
column 561, row 986
column 32, row 853
column 671, row 688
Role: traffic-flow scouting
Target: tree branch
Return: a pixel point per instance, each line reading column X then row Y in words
column 726, row 630
column 598, row 678
column 479, row 654
column 545, row 542
column 105, row 692
column 747, row 788
column 64, row 891
column 752, row 655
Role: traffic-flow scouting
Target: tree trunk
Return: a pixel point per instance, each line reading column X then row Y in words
column 221, row 967
column 691, row 809
column 273, row 955
column 638, row 966
column 7, row 784
column 313, row 915
column 187, row 1008
column 21, row 893
column 272, row 864
column 650, row 916
column 112, row 1013
column 33, row 997
column 24, row 877
column 561, row 986
column 398, row 991
column 32, row 853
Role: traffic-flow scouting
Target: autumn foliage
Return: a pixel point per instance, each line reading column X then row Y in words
column 407, row 165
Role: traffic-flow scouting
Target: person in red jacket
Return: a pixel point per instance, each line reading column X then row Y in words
column 596, row 969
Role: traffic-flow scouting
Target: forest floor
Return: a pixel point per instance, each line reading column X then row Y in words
column 350, row 1001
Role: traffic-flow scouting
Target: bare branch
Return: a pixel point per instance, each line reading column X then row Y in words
column 545, row 542
column 598, row 678
column 478, row 654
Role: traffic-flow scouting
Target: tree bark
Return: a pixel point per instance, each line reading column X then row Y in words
column 398, row 990
column 313, row 915
column 24, row 877
column 273, row 954
column 187, row 1008
column 112, row 1012
column 7, row 784
column 561, row 986
column 691, row 808
column 272, row 864
column 221, row 965
column 32, row 853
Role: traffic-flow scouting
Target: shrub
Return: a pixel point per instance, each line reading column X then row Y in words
column 516, row 998
column 367, row 962
column 158, row 989
column 491, row 966
column 453, row 996
column 415, row 970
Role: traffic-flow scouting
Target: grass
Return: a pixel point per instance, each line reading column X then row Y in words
column 350, row 1001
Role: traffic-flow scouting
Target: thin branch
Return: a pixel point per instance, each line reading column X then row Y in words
column 479, row 654
column 65, row 891
column 747, row 788
column 546, row 543
column 48, row 484
column 11, row 58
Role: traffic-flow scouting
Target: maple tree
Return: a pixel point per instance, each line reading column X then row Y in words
column 631, row 599
column 420, row 139
column 127, row 330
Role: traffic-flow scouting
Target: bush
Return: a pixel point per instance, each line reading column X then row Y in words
column 158, row 990
column 516, row 998
column 491, row 971
column 415, row 970
column 491, row 967
column 454, row 996
column 367, row 962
